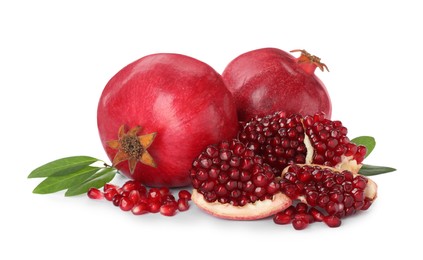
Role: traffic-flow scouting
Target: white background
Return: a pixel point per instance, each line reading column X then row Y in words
column 56, row 57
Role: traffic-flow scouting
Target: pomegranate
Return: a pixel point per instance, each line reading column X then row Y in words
column 157, row 113
column 135, row 197
column 284, row 140
column 323, row 194
column 231, row 182
column 267, row 80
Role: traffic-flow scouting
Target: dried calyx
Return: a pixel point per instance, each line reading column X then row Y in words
column 132, row 147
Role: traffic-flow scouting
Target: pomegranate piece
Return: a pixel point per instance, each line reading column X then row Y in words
column 157, row 113
column 327, row 186
column 313, row 139
column 231, row 182
column 266, row 80
column 95, row 194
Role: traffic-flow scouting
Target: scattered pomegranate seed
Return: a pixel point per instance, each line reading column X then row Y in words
column 135, row 197
column 110, row 193
column 154, row 207
column 184, row 194
column 183, row 204
column 140, row 208
column 95, row 194
column 108, row 186
column 126, row 204
column 168, row 210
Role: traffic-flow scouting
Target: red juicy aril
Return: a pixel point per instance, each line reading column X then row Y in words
column 135, row 197
column 267, row 80
column 231, row 182
column 284, row 140
column 326, row 194
column 158, row 113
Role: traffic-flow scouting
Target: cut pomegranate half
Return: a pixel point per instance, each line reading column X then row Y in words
column 231, row 182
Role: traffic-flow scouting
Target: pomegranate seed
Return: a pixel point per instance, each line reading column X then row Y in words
column 134, row 196
column 116, row 199
column 154, row 207
column 164, row 191
column 301, row 207
column 140, row 208
column 299, row 224
column 168, row 210
column 126, row 204
column 282, row 218
column 317, row 215
column 108, row 186
column 130, row 185
column 332, row 221
column 94, row 193
column 142, row 190
column 154, row 195
column 110, row 193
column 360, row 182
column 367, row 204
column 183, row 204
column 290, row 211
column 184, row 194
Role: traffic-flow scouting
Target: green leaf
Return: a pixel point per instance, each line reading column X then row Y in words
column 57, row 183
column 369, row 170
column 367, row 141
column 98, row 180
column 62, row 166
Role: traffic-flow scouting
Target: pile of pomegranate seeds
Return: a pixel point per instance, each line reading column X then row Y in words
column 135, row 197
column 230, row 173
column 330, row 196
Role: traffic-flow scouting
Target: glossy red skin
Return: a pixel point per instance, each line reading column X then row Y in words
column 267, row 80
column 180, row 98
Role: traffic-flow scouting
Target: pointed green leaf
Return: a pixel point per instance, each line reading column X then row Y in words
column 98, row 180
column 369, row 170
column 57, row 183
column 62, row 166
column 367, row 141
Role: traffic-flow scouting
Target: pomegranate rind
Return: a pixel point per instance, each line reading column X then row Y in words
column 370, row 191
column 251, row 211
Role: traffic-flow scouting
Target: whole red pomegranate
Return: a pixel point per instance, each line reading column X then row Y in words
column 159, row 112
column 267, row 80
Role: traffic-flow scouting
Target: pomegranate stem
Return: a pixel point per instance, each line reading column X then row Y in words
column 309, row 62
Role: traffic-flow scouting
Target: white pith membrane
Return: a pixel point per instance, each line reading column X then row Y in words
column 370, row 191
column 347, row 162
column 250, row 211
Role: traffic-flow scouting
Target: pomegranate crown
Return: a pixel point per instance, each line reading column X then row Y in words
column 308, row 58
